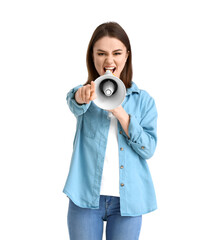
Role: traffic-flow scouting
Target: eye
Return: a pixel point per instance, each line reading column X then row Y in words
column 100, row 54
column 117, row 53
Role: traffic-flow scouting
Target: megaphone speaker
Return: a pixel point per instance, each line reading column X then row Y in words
column 110, row 91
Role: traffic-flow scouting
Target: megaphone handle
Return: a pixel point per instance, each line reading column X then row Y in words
column 110, row 114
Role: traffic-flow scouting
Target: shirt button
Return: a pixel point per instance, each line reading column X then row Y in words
column 142, row 147
column 122, row 184
column 121, row 149
column 122, row 166
column 120, row 132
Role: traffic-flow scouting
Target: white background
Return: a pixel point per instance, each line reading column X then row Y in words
column 178, row 57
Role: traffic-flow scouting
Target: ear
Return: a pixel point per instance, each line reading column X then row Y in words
column 127, row 55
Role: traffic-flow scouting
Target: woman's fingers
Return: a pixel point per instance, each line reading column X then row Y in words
column 93, row 96
column 93, row 92
column 92, row 86
column 87, row 93
column 82, row 94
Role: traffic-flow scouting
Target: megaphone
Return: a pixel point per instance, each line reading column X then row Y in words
column 110, row 91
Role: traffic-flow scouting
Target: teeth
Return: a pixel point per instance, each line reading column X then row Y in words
column 112, row 69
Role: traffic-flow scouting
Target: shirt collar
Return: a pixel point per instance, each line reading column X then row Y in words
column 132, row 89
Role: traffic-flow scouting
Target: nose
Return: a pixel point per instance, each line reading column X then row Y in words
column 109, row 59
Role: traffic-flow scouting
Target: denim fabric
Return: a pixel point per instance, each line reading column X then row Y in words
column 137, row 194
column 87, row 224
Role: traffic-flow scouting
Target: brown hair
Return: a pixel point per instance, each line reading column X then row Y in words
column 110, row 29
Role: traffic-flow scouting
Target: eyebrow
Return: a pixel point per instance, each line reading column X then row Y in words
column 113, row 51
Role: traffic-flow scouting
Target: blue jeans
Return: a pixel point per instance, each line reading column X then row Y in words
column 87, row 224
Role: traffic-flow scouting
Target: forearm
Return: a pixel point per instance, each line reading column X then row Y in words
column 141, row 137
column 124, row 120
column 125, row 123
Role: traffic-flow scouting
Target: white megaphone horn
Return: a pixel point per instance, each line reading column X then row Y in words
column 110, row 91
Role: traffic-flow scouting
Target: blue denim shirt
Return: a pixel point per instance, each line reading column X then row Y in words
column 137, row 194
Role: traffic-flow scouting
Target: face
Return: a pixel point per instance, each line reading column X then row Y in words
column 109, row 53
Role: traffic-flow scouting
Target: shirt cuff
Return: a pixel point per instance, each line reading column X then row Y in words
column 134, row 130
column 76, row 108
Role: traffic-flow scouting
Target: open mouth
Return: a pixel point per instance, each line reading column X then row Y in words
column 112, row 69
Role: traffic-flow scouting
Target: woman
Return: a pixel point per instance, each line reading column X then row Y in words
column 109, row 179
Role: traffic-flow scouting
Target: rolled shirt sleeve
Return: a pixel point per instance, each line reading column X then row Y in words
column 76, row 109
column 143, row 132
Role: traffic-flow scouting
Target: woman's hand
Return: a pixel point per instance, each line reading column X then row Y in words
column 118, row 112
column 122, row 116
column 86, row 93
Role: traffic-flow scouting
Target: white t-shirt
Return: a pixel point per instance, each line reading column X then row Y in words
column 110, row 176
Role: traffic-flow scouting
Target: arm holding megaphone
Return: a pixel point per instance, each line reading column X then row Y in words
column 86, row 93
column 122, row 116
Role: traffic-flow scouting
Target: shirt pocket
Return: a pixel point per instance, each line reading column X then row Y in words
column 90, row 121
